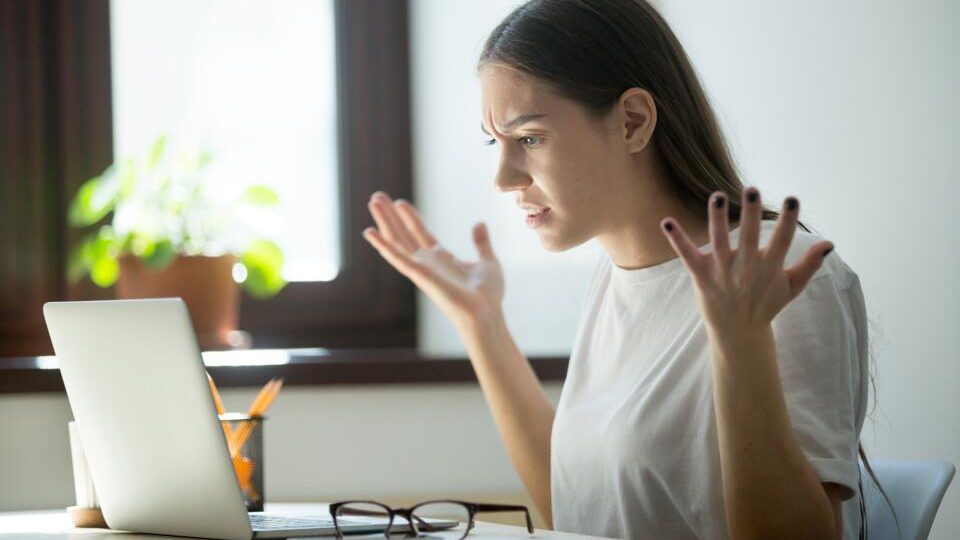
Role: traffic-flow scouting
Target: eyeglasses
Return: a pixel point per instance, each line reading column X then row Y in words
column 442, row 519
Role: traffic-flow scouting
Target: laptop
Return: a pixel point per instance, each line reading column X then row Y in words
column 155, row 447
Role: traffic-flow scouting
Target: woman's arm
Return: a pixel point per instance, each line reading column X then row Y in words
column 470, row 294
column 770, row 489
column 520, row 408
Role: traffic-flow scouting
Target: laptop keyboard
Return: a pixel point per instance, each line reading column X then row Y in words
column 265, row 522
column 268, row 522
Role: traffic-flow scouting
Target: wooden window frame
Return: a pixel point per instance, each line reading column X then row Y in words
column 369, row 303
column 56, row 111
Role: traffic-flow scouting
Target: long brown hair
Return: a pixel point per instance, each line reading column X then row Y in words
column 591, row 51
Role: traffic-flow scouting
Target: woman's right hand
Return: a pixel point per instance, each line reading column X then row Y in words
column 464, row 291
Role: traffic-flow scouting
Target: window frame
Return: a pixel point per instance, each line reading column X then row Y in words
column 369, row 304
column 58, row 131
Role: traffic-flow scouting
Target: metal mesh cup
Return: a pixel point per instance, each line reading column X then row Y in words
column 245, row 440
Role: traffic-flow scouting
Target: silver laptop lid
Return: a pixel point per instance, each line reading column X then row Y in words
column 139, row 393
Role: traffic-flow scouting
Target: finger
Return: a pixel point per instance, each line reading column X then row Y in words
column 749, row 223
column 481, row 237
column 411, row 218
column 688, row 252
column 719, row 227
column 420, row 274
column 396, row 227
column 389, row 223
column 800, row 273
column 383, row 225
column 402, row 261
column 783, row 234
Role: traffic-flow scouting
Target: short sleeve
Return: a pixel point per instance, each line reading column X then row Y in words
column 819, row 363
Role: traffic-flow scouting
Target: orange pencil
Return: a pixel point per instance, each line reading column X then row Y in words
column 219, row 402
column 255, row 406
column 241, row 464
column 259, row 406
column 269, row 397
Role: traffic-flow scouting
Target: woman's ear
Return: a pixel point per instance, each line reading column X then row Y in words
column 638, row 118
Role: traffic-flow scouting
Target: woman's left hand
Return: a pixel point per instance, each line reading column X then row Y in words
column 741, row 290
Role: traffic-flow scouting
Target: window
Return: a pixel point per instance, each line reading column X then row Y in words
column 252, row 82
column 58, row 131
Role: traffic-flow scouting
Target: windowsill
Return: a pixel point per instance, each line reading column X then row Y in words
column 298, row 367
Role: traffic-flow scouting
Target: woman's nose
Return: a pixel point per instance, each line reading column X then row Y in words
column 510, row 178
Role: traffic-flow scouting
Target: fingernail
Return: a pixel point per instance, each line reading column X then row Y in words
column 718, row 201
column 668, row 226
column 752, row 196
column 827, row 252
column 791, row 203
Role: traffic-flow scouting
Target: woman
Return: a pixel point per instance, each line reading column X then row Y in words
column 717, row 385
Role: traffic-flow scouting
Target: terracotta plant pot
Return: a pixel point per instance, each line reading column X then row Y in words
column 205, row 284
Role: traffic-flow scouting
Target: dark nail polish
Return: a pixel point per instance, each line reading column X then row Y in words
column 668, row 226
column 718, row 202
column 827, row 252
column 752, row 196
column 791, row 203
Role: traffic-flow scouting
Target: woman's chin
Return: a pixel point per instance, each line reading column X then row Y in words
column 555, row 243
column 551, row 247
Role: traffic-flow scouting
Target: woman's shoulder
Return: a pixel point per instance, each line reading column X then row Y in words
column 833, row 265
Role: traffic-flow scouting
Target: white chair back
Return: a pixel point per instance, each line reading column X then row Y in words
column 915, row 488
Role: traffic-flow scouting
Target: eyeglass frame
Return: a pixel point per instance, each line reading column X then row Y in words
column 407, row 513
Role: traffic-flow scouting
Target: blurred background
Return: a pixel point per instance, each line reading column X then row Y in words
column 127, row 124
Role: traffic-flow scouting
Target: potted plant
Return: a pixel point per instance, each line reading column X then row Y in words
column 176, row 231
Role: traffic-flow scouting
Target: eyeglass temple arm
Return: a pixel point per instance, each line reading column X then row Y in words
column 507, row 508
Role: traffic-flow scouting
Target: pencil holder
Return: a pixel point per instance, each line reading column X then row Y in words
column 244, row 435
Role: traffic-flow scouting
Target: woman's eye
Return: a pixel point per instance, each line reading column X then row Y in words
column 529, row 141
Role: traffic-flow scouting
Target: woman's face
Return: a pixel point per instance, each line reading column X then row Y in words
column 555, row 155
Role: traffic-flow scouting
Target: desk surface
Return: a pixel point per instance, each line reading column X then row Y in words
column 55, row 525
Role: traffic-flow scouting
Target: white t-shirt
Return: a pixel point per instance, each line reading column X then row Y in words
column 634, row 451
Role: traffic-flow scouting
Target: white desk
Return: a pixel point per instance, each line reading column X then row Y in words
column 55, row 525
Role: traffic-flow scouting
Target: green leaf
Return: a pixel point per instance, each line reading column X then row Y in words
column 92, row 256
column 104, row 271
column 128, row 178
column 261, row 195
column 78, row 265
column 99, row 254
column 156, row 152
column 161, row 256
column 205, row 158
column 94, row 200
column 264, row 263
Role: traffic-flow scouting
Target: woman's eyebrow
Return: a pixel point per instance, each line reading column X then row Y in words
column 516, row 122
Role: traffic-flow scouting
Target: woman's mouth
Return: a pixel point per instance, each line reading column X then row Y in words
column 535, row 218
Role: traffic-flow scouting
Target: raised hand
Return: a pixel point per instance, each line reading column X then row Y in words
column 464, row 291
column 743, row 289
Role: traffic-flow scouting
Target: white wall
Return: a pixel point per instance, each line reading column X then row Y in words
column 320, row 444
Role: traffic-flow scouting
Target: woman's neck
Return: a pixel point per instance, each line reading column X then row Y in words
column 640, row 243
column 634, row 239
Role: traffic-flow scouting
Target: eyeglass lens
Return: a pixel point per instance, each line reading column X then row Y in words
column 438, row 520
